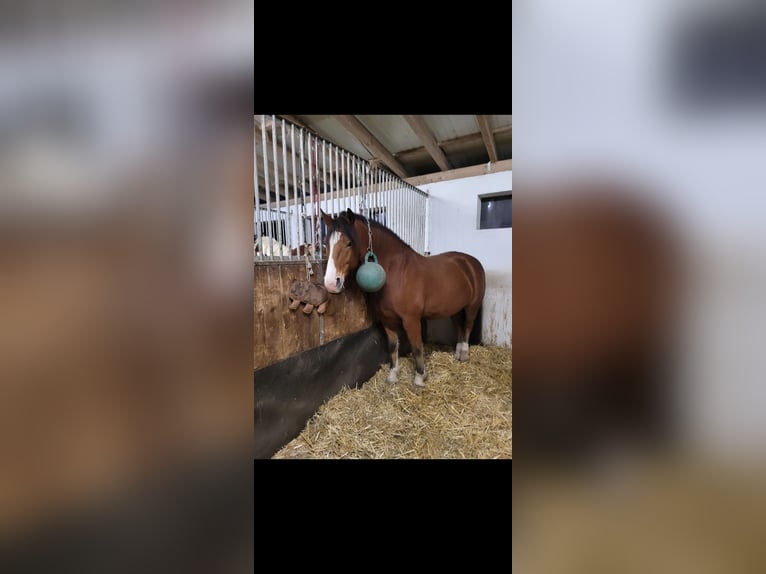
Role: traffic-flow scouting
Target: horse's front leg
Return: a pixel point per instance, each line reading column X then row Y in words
column 412, row 328
column 393, row 350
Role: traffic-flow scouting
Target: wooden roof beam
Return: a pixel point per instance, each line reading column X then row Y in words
column 453, row 143
column 486, row 134
column 429, row 142
column 357, row 129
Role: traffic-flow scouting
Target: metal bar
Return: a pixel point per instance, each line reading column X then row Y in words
column 407, row 216
column 328, row 179
column 324, row 177
column 265, row 147
column 337, row 186
column 288, row 223
column 403, row 203
column 406, row 213
column 302, row 208
column 376, row 195
column 427, row 239
column 356, row 166
column 367, row 181
column 347, row 179
column 424, row 239
column 413, row 227
column 349, row 168
column 257, row 200
column 276, row 188
column 379, row 199
column 296, row 207
column 343, row 182
column 419, row 229
column 371, row 193
column 360, row 184
column 386, row 199
column 312, row 162
column 410, row 213
column 394, row 199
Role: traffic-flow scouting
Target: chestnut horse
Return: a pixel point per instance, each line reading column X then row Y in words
column 446, row 285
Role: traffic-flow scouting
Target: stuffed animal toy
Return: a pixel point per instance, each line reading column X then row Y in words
column 312, row 294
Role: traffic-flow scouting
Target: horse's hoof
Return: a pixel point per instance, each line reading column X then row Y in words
column 463, row 356
column 419, row 382
column 392, row 378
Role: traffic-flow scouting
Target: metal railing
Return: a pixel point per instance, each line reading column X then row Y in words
column 297, row 174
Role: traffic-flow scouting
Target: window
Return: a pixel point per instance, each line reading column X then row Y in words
column 495, row 210
column 721, row 61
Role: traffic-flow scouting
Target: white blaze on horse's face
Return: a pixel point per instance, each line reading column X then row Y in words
column 333, row 280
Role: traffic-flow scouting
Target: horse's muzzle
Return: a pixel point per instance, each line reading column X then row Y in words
column 335, row 287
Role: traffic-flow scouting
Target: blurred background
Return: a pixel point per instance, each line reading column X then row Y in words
column 639, row 286
column 126, row 287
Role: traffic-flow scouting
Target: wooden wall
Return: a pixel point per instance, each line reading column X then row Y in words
column 279, row 332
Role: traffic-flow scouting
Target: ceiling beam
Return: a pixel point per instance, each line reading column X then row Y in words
column 424, row 134
column 296, row 120
column 470, row 171
column 486, row 134
column 454, row 143
column 357, row 129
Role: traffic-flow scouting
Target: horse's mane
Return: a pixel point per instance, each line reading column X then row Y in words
column 341, row 224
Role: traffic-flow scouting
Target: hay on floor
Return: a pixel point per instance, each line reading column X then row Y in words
column 464, row 412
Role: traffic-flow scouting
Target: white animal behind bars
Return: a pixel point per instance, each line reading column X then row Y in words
column 270, row 246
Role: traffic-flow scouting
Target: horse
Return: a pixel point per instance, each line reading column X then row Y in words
column 450, row 284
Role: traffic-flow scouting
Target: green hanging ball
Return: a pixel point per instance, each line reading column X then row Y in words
column 371, row 276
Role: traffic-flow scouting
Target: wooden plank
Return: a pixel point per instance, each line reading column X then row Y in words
column 474, row 170
column 357, row 129
column 278, row 332
column 346, row 313
column 486, row 134
column 424, row 134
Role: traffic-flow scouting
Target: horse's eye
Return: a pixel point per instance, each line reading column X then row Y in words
column 348, row 244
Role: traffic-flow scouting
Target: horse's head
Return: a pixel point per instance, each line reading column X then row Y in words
column 343, row 250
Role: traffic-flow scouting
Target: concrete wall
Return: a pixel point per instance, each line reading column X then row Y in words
column 607, row 101
column 454, row 226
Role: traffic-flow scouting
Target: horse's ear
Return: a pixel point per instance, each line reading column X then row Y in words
column 326, row 218
column 349, row 215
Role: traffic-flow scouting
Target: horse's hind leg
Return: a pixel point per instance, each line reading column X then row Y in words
column 470, row 317
column 458, row 321
column 393, row 350
column 412, row 328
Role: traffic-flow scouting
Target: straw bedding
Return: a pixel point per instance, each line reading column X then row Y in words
column 464, row 412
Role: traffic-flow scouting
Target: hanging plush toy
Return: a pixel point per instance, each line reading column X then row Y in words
column 312, row 294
